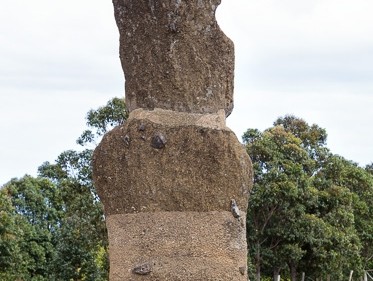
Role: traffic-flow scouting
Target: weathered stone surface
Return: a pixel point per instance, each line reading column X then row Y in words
column 172, row 246
column 174, row 180
column 175, row 56
column 150, row 165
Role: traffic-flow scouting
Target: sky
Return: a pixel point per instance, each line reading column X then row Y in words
column 309, row 58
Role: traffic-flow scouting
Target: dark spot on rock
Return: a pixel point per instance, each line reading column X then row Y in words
column 126, row 140
column 158, row 141
column 203, row 131
column 242, row 270
column 142, row 128
column 172, row 27
column 143, row 269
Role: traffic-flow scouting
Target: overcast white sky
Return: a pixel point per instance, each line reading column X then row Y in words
column 310, row 58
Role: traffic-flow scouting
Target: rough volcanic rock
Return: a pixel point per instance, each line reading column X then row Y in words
column 172, row 246
column 174, row 180
column 151, row 165
column 175, row 56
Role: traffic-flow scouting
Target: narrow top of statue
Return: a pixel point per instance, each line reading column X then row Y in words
column 175, row 56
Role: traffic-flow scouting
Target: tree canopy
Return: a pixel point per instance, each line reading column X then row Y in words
column 309, row 210
column 52, row 227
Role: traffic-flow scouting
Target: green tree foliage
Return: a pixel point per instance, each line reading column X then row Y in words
column 103, row 119
column 307, row 211
column 32, row 205
column 360, row 182
column 52, row 227
column 82, row 234
column 9, row 238
column 369, row 168
column 82, row 239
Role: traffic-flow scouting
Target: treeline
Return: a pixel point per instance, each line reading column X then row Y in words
column 310, row 210
column 52, row 227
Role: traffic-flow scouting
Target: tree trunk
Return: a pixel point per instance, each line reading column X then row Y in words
column 257, row 262
column 303, row 276
column 276, row 274
column 293, row 271
column 351, row 272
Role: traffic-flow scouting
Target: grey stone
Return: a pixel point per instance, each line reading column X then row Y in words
column 158, row 141
column 143, row 269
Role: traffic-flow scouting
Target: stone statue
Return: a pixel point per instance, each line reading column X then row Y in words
column 174, row 180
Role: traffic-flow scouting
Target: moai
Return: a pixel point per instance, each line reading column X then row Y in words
column 174, row 180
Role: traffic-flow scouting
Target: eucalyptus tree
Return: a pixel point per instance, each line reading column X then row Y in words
column 276, row 205
column 33, row 216
column 52, row 227
column 301, row 214
column 9, row 237
column 82, row 238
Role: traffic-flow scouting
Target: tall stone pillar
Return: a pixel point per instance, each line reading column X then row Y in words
column 174, row 180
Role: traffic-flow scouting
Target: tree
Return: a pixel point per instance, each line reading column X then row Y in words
column 340, row 250
column 302, row 207
column 102, row 120
column 360, row 182
column 369, row 168
column 82, row 234
column 52, row 227
column 82, row 238
column 34, row 212
column 281, row 181
column 9, row 235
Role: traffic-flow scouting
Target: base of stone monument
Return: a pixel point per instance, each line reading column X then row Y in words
column 171, row 246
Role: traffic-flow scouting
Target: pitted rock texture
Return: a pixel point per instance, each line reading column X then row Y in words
column 177, row 246
column 145, row 166
column 174, row 55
